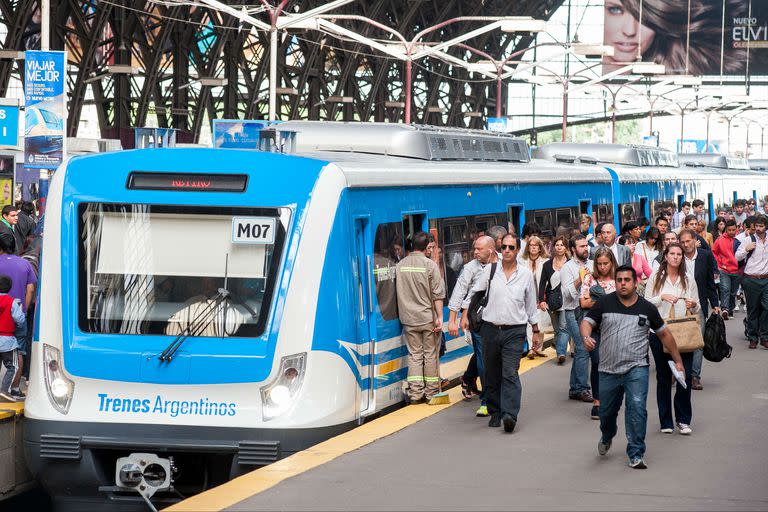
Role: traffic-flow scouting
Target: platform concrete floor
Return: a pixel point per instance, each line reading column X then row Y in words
column 453, row 461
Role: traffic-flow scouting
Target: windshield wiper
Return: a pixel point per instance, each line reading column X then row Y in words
column 196, row 325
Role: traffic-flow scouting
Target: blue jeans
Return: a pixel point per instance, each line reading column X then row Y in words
column 477, row 344
column 613, row 387
column 698, row 355
column 729, row 285
column 561, row 331
column 580, row 368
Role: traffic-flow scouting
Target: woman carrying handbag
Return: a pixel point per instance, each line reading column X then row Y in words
column 676, row 296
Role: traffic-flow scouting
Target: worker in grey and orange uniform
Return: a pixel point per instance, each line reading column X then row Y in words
column 420, row 294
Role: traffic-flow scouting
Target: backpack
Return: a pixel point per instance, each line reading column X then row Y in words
column 715, row 346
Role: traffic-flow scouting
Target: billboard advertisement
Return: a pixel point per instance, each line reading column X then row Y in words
column 45, row 109
column 659, row 31
column 236, row 133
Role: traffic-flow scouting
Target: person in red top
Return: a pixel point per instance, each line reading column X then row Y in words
column 724, row 250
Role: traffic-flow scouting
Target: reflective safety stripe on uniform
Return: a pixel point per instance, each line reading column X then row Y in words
column 413, row 269
column 423, row 344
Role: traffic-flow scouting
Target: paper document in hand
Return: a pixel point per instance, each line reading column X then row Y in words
column 678, row 375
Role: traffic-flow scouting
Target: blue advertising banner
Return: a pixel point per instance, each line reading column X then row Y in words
column 497, row 124
column 698, row 146
column 44, row 109
column 236, row 133
column 9, row 125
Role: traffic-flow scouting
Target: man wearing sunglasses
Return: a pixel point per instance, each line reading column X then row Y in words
column 512, row 304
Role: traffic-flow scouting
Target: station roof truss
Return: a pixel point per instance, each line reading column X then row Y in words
column 187, row 64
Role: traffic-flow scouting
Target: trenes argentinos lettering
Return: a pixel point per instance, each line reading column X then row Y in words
column 158, row 405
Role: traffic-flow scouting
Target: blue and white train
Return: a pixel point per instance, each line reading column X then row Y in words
column 206, row 311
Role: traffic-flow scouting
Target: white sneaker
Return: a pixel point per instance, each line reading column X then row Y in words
column 736, row 307
column 684, row 429
column 667, row 430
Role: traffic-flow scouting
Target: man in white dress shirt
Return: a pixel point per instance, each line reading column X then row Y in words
column 755, row 283
column 511, row 306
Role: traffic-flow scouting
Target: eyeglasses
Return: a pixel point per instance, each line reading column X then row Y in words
column 510, row 247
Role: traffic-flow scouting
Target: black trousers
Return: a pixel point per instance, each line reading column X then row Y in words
column 682, row 403
column 502, row 351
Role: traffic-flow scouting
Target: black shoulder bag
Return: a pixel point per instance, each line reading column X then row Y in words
column 553, row 297
column 478, row 302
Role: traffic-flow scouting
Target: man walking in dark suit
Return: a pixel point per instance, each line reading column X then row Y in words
column 701, row 265
column 620, row 252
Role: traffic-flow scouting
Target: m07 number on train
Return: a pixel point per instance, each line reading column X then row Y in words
column 253, row 230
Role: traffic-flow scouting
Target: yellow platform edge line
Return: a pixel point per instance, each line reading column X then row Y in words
column 11, row 409
column 259, row 480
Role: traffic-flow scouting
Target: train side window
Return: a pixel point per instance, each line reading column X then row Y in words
column 664, row 206
column 545, row 220
column 629, row 212
column 482, row 223
column 566, row 218
column 388, row 249
column 604, row 213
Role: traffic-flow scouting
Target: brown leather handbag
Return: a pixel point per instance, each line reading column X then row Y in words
column 686, row 331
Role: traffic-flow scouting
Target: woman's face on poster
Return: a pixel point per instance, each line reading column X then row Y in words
column 624, row 33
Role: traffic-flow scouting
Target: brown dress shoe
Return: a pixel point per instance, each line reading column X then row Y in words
column 696, row 384
column 764, row 343
column 752, row 344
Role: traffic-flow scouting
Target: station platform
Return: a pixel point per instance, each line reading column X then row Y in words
column 445, row 458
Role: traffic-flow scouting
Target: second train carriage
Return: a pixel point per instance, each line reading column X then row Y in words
column 648, row 180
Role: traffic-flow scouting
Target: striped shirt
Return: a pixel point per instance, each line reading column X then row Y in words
column 623, row 332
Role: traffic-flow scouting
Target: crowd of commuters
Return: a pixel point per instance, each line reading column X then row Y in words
column 19, row 267
column 607, row 296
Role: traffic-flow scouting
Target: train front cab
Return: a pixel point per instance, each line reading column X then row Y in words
column 224, row 403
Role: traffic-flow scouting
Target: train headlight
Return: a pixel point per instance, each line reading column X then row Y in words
column 59, row 387
column 278, row 396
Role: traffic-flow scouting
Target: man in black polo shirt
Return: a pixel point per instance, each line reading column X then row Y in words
column 624, row 319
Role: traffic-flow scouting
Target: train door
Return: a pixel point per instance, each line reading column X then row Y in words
column 515, row 216
column 412, row 224
column 364, row 317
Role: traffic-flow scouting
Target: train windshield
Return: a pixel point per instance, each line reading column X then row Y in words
column 178, row 270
